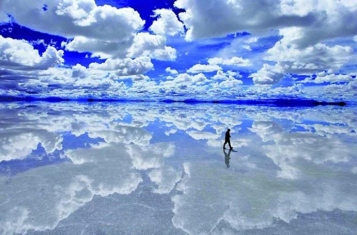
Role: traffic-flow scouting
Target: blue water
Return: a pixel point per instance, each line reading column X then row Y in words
column 159, row 168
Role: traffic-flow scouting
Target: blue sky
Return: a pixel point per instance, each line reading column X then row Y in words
column 203, row 49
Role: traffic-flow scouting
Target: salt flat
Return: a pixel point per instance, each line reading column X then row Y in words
column 154, row 168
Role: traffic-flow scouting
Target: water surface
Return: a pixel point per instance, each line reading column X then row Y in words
column 148, row 168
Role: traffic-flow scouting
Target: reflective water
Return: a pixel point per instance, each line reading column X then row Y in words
column 146, row 168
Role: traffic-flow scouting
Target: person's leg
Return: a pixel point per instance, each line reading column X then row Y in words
column 224, row 145
column 229, row 143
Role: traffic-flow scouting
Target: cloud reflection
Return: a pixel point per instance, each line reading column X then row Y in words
column 288, row 162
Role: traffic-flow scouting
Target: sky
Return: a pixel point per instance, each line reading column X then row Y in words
column 183, row 49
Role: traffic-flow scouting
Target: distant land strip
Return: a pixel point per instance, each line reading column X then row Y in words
column 272, row 102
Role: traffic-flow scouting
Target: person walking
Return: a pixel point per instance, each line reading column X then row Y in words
column 228, row 139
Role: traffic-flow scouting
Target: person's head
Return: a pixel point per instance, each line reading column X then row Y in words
column 229, row 130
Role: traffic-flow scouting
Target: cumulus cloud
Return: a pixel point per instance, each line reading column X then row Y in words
column 142, row 44
column 234, row 61
column 20, row 55
column 203, row 68
column 99, row 48
column 332, row 20
column 318, row 20
column 330, row 78
column 310, row 59
column 104, row 31
column 226, row 75
column 268, row 75
column 171, row 71
column 307, row 61
column 219, row 18
column 124, row 67
column 76, row 18
column 251, row 40
column 184, row 83
column 303, row 26
column 304, row 36
column 153, row 46
column 230, row 83
column 167, row 23
column 166, row 54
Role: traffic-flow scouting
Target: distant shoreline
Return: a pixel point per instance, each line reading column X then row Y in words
column 269, row 102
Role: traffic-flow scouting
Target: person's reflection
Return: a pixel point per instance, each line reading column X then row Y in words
column 227, row 156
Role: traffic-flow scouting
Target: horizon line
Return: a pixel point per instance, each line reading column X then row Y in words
column 271, row 102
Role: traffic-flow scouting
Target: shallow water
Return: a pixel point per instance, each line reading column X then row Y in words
column 147, row 168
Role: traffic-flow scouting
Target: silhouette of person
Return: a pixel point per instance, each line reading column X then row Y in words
column 228, row 139
column 227, row 156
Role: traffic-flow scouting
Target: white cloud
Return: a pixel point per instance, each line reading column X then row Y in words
column 166, row 179
column 79, row 71
column 230, row 83
column 153, row 46
column 170, row 132
column 251, row 40
column 220, row 75
column 203, row 135
column 268, row 75
column 227, row 80
column 331, row 78
column 151, row 156
column 332, row 19
column 171, row 71
column 124, row 67
column 202, row 68
column 20, row 55
column 19, row 142
column 247, row 47
column 219, row 18
column 76, row 18
column 310, row 59
column 142, row 44
column 183, row 84
column 166, row 54
column 318, row 20
column 122, row 134
column 167, row 23
column 67, row 188
column 307, row 61
column 104, row 31
column 100, row 48
column 146, row 42
column 234, row 61
column 184, row 80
